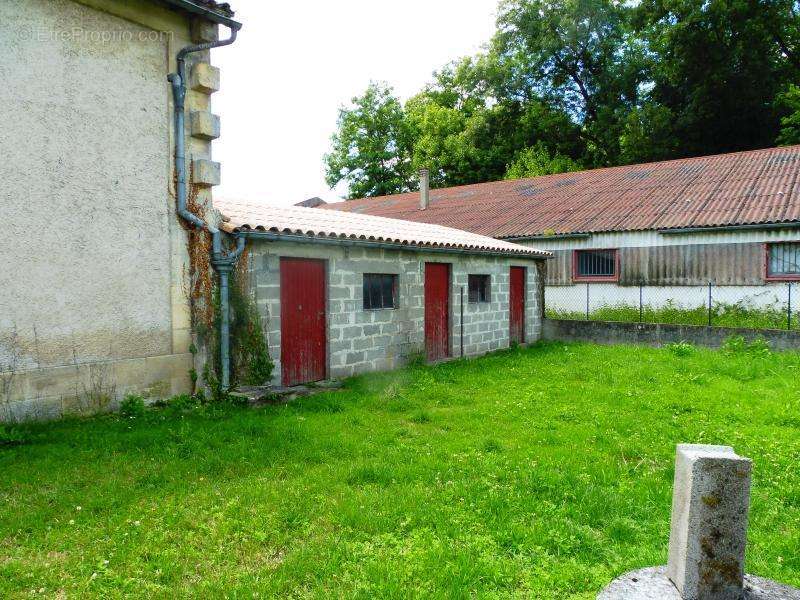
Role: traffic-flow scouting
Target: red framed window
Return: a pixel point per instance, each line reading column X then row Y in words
column 595, row 265
column 783, row 261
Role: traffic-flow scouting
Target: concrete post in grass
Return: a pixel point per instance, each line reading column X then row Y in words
column 708, row 534
column 710, row 502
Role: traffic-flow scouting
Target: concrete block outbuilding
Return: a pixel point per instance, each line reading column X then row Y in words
column 342, row 293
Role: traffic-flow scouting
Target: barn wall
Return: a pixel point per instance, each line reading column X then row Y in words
column 695, row 264
column 739, row 264
column 367, row 340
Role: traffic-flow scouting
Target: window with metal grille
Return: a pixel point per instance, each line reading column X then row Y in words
column 480, row 288
column 784, row 260
column 595, row 264
column 380, row 291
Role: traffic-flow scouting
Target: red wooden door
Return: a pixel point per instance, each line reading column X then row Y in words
column 303, row 323
column 516, row 305
column 437, row 310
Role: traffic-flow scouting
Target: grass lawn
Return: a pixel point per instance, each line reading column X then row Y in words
column 539, row 472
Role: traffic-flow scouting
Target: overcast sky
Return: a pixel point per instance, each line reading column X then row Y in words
column 296, row 62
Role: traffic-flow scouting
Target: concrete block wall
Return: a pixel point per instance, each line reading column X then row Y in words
column 362, row 340
column 486, row 324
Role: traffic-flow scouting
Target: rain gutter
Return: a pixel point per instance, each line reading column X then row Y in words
column 557, row 236
column 200, row 10
column 747, row 227
column 222, row 262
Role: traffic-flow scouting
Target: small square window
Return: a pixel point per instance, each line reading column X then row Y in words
column 479, row 288
column 380, row 291
column 596, row 264
column 783, row 260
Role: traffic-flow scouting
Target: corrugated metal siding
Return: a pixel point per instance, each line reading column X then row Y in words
column 634, row 266
column 559, row 268
column 693, row 264
column 697, row 264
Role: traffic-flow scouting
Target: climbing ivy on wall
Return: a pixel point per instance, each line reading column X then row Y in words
column 250, row 360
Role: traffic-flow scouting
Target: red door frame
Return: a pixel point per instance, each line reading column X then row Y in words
column 516, row 304
column 304, row 347
column 437, row 311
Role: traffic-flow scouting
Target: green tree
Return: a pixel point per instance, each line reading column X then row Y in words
column 648, row 134
column 537, row 160
column 717, row 66
column 579, row 56
column 464, row 131
column 371, row 149
column 790, row 124
column 589, row 82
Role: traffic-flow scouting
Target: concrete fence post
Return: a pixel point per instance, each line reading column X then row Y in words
column 708, row 534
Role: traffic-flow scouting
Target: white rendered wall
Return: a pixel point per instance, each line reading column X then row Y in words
column 92, row 295
column 573, row 297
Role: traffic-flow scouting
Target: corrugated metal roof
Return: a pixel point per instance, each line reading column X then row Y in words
column 315, row 223
column 759, row 186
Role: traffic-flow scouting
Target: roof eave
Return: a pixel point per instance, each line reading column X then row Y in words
column 557, row 236
column 349, row 241
column 215, row 16
column 724, row 228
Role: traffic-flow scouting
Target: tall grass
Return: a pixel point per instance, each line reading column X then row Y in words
column 723, row 314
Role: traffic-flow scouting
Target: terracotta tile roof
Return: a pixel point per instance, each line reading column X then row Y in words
column 315, row 223
column 759, row 186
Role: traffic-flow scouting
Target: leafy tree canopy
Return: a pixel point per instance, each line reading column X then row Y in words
column 584, row 82
column 790, row 123
column 371, row 149
column 537, row 160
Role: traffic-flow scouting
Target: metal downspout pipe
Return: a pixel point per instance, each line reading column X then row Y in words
column 223, row 263
column 224, row 267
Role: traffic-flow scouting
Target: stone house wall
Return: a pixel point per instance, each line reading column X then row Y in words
column 371, row 340
column 93, row 298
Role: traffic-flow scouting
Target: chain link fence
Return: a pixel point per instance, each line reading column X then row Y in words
column 773, row 306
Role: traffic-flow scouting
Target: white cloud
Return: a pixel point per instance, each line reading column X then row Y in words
column 295, row 63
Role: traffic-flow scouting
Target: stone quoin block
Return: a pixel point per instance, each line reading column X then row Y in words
column 206, row 173
column 204, row 125
column 204, row 31
column 204, row 78
column 710, row 502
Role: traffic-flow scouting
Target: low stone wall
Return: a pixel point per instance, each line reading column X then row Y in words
column 657, row 334
column 90, row 388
